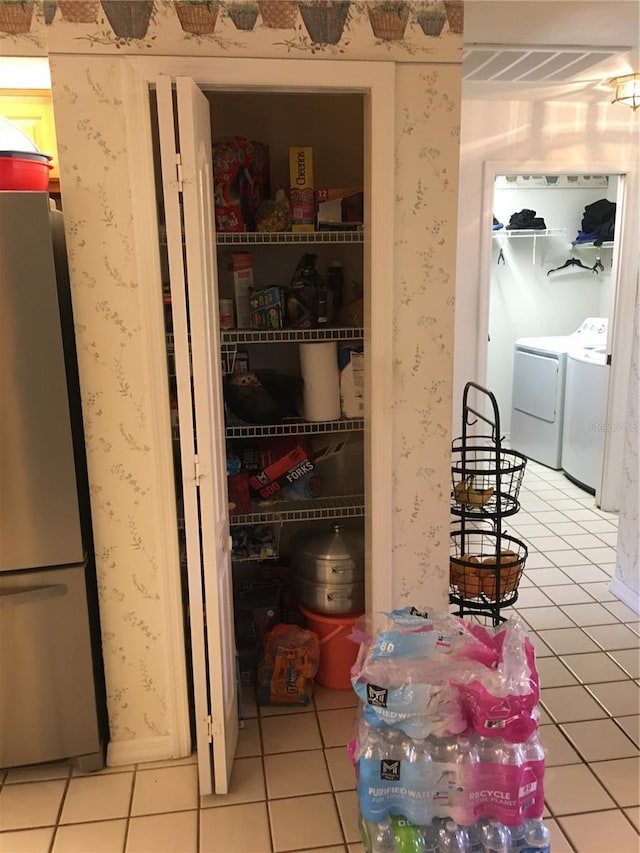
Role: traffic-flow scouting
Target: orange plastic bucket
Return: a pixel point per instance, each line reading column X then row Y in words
column 337, row 652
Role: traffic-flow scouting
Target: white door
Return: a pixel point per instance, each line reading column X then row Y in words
column 187, row 177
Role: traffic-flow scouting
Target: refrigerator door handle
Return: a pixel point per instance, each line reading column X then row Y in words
column 12, row 597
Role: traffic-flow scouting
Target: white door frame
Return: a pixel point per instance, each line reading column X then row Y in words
column 625, row 261
column 376, row 80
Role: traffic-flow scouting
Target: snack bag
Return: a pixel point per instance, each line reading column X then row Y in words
column 288, row 666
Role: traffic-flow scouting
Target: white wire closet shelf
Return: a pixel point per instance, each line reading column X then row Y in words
column 328, row 508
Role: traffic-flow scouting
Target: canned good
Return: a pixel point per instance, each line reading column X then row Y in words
column 226, row 313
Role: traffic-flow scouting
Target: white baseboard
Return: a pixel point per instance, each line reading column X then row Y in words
column 139, row 750
column 629, row 596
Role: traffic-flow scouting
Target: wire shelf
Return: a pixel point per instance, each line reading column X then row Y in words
column 294, row 427
column 577, row 244
column 283, row 238
column 342, row 506
column 230, row 338
column 530, row 232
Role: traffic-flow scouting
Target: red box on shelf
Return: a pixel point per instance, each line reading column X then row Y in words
column 240, row 182
column 238, row 488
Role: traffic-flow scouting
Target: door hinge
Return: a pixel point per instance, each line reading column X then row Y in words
column 196, row 470
column 179, row 181
column 210, row 728
column 609, row 359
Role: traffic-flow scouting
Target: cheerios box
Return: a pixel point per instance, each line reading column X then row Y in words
column 302, row 197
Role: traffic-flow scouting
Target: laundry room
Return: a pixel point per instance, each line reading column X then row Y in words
column 552, row 289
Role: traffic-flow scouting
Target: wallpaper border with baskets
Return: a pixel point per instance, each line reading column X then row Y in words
column 402, row 30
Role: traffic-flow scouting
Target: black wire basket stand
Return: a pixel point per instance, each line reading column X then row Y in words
column 486, row 563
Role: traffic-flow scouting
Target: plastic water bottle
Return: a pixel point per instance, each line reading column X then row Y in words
column 509, row 753
column 383, row 839
column 465, row 758
column 517, row 838
column 537, row 837
column 453, row 838
column 443, row 751
column 394, row 742
column 533, row 757
column 533, row 749
column 497, row 838
column 430, row 837
column 466, row 752
column 417, row 756
column 487, row 749
column 408, row 837
column 476, row 836
column 372, row 745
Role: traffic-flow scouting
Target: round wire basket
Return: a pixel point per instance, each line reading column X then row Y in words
column 485, row 568
column 485, row 480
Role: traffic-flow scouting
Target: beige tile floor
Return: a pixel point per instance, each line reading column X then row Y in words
column 293, row 787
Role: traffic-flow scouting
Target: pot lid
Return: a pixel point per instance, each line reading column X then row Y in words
column 26, row 155
column 12, row 138
column 336, row 543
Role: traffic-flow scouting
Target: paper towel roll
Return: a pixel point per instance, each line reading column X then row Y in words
column 319, row 365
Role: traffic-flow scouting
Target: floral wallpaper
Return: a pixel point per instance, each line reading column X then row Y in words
column 115, row 380
column 427, row 146
column 628, row 558
column 403, row 29
column 129, row 475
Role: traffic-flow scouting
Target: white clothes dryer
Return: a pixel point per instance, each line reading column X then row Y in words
column 585, row 407
column 539, row 374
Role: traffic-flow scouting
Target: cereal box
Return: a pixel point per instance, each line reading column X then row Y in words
column 303, row 207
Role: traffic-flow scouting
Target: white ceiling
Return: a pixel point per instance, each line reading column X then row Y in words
column 549, row 49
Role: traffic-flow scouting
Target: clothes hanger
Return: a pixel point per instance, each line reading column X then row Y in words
column 574, row 262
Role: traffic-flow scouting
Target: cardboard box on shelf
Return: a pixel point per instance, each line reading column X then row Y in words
column 303, row 207
column 286, row 469
column 339, row 206
column 351, row 367
column 267, row 308
column 241, row 265
column 240, row 180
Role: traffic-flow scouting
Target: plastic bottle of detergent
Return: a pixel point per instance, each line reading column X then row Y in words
column 537, row 837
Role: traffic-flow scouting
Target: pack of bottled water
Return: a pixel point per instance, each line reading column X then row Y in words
column 466, row 777
column 446, row 749
column 397, row 835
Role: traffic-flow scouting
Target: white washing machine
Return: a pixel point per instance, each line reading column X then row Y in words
column 539, row 372
column 585, row 407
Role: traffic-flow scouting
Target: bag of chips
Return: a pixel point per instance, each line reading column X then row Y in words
column 288, row 665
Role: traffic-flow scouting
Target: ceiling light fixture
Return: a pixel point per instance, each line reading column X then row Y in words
column 627, row 90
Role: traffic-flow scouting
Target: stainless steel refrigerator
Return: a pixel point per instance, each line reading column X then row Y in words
column 51, row 678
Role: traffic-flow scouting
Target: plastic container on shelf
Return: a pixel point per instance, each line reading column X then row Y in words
column 337, row 651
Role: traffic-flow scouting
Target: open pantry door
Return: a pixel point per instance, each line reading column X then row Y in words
column 187, row 180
